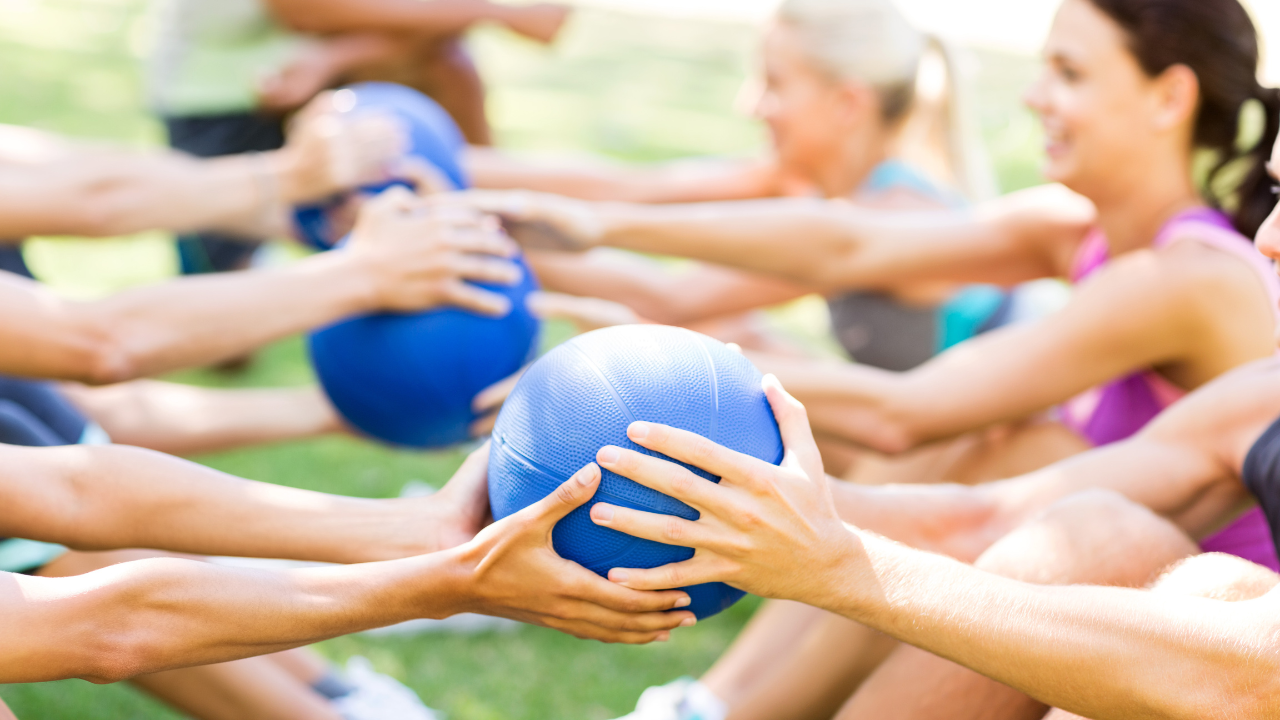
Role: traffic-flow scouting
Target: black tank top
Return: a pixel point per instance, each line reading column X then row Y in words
column 1261, row 474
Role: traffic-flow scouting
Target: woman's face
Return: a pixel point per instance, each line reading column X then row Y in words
column 1093, row 98
column 808, row 112
column 1268, row 238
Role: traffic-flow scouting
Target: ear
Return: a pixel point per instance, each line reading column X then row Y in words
column 1176, row 93
column 855, row 101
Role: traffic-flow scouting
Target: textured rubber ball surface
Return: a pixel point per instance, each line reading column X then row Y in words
column 434, row 138
column 582, row 396
column 410, row 379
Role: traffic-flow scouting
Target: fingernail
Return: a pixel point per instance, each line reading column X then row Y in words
column 601, row 513
column 664, row 636
column 688, row 622
column 638, row 430
column 683, row 602
column 608, row 455
column 619, row 576
column 587, row 475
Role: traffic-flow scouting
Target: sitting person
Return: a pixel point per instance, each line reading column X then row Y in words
column 222, row 75
column 176, row 625
column 400, row 258
column 55, row 188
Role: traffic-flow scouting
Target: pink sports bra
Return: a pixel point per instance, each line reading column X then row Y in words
column 1120, row 408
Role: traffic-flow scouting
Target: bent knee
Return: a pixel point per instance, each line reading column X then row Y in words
column 1218, row 577
column 1097, row 537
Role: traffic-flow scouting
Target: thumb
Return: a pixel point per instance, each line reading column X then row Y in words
column 793, row 425
column 468, row 481
column 569, row 496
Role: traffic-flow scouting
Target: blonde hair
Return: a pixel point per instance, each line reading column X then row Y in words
column 916, row 75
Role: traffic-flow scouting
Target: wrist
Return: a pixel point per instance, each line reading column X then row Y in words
column 348, row 278
column 848, row 574
column 275, row 173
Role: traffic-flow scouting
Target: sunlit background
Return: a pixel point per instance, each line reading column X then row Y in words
column 630, row 79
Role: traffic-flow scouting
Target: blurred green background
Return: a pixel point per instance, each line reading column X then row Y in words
column 630, row 87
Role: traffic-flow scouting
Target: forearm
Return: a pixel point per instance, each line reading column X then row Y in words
column 829, row 245
column 677, row 182
column 664, row 295
column 107, row 194
column 1100, row 652
column 185, row 420
column 201, row 320
column 152, row 615
column 109, row 497
column 426, row 17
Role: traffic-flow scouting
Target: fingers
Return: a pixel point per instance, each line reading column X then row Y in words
column 793, row 424
column 661, row 475
column 496, row 394
column 695, row 571
column 469, row 297
column 668, row 529
column 583, row 585
column 470, row 479
column 425, row 177
column 485, row 269
column 481, row 240
column 734, row 467
column 587, row 313
column 571, row 494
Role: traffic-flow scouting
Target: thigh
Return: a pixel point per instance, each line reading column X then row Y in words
column 1003, row 451
column 1094, row 537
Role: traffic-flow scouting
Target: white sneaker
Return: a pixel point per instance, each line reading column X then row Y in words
column 683, row 699
column 379, row 697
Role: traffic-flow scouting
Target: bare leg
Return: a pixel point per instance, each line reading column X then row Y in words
column 1093, row 537
column 262, row 688
column 184, row 420
column 1219, row 577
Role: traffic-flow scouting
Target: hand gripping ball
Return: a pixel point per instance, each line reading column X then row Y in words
column 409, row 379
column 582, row 396
column 433, row 138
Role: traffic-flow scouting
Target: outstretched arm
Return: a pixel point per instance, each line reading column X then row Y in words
column 400, row 258
column 67, row 189
column 1104, row 653
column 828, row 244
column 671, row 297
column 113, row 496
column 1172, row 301
column 540, row 21
column 676, row 182
column 153, row 615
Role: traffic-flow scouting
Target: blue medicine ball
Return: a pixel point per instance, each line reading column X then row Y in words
column 582, row 396
column 409, row 379
column 433, row 137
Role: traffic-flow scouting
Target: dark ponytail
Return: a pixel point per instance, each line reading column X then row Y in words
column 1218, row 41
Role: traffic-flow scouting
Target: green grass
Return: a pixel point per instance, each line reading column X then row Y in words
column 632, row 88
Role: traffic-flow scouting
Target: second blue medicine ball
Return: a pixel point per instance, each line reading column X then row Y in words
column 433, row 138
column 409, row 379
column 582, row 396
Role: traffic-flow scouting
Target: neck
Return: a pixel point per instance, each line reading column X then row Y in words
column 1131, row 216
column 848, row 167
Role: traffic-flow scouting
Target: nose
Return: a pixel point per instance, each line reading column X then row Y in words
column 1036, row 95
column 1268, row 237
